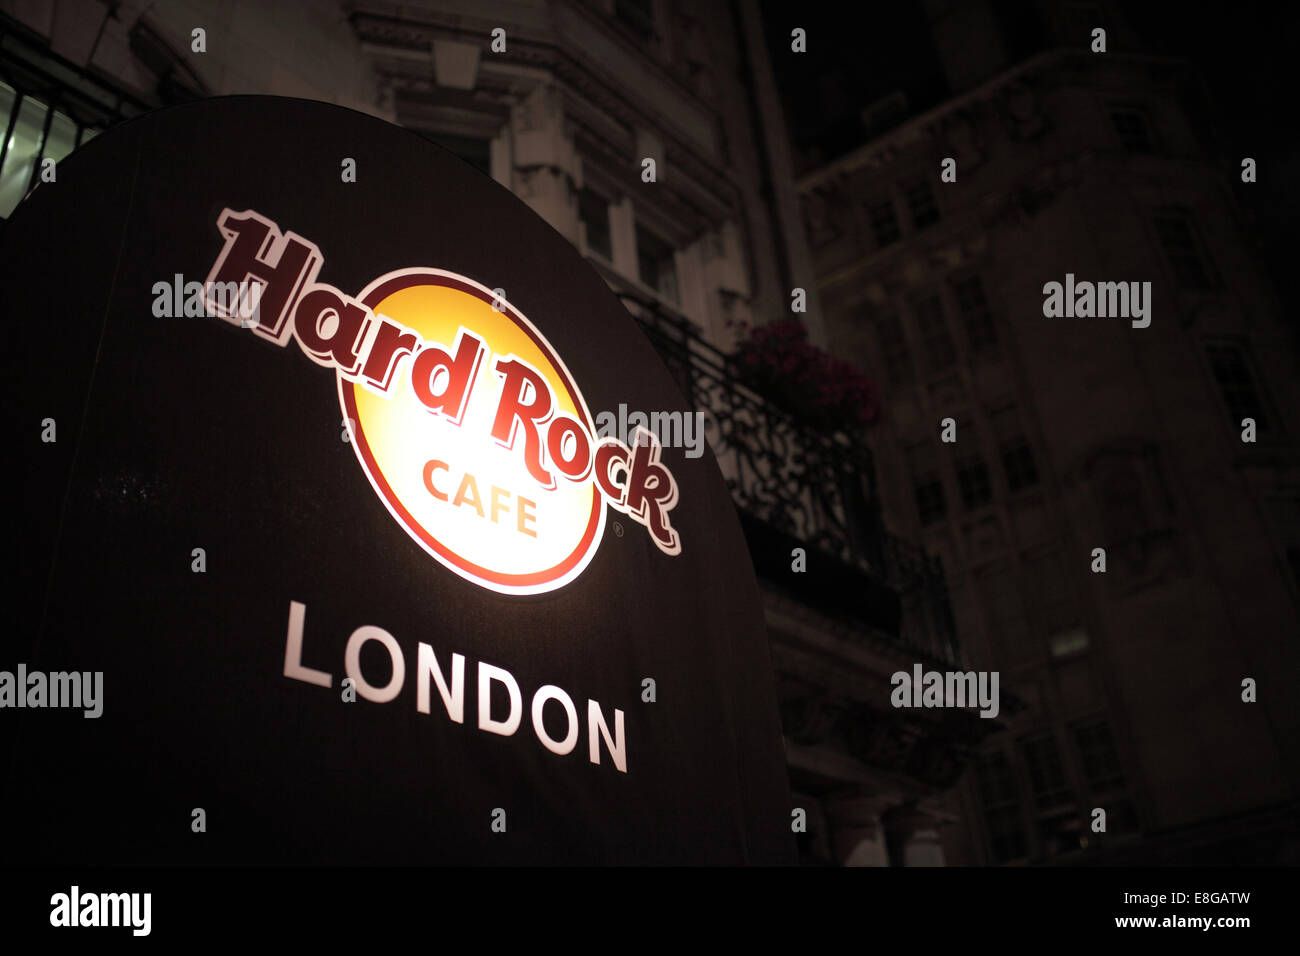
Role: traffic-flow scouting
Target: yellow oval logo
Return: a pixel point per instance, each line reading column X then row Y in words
column 464, row 419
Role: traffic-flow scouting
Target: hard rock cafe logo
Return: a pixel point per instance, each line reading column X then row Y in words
column 465, row 420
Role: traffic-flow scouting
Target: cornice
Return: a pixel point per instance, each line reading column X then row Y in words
column 881, row 151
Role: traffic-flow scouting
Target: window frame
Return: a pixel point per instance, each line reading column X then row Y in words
column 907, row 189
column 587, row 190
column 1116, row 110
column 1271, row 428
column 869, row 208
column 1014, row 444
column 639, row 229
column 1008, row 805
column 895, row 352
column 971, row 466
column 1212, row 282
column 929, row 479
column 1064, row 793
column 441, row 138
column 48, row 121
column 921, row 316
column 981, row 348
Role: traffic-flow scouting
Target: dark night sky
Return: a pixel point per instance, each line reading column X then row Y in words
column 849, row 65
column 1244, row 52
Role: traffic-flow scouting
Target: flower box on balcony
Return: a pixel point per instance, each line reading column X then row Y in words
column 779, row 362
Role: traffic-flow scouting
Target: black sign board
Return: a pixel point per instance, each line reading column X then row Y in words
column 312, row 502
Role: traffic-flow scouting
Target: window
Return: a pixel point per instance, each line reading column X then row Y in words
column 972, row 472
column 593, row 210
column 921, row 204
column 927, row 485
column 476, row 152
column 36, row 136
column 656, row 265
column 1133, row 129
column 1098, row 756
column 1105, row 779
column 884, row 223
column 1006, row 833
column 997, row 789
column 637, row 14
column 996, row 782
column 939, row 350
column 21, row 154
column 1182, row 247
column 1054, row 609
column 973, row 478
column 1068, row 642
column 975, row 313
column 1060, row 833
column 1005, row 619
column 1119, row 486
column 1231, row 368
column 1046, row 774
column 1284, row 518
column 893, row 350
column 1017, row 456
column 1131, row 499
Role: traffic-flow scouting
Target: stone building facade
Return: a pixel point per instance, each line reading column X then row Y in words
column 1074, row 434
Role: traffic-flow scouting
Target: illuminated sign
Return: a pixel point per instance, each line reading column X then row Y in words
column 436, row 594
column 466, row 422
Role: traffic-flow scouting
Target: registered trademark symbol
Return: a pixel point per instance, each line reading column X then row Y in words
column 618, row 529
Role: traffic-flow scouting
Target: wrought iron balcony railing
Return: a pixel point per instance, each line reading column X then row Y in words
column 48, row 107
column 815, row 488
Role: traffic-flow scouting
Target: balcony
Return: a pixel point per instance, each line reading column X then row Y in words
column 48, row 107
column 796, row 486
